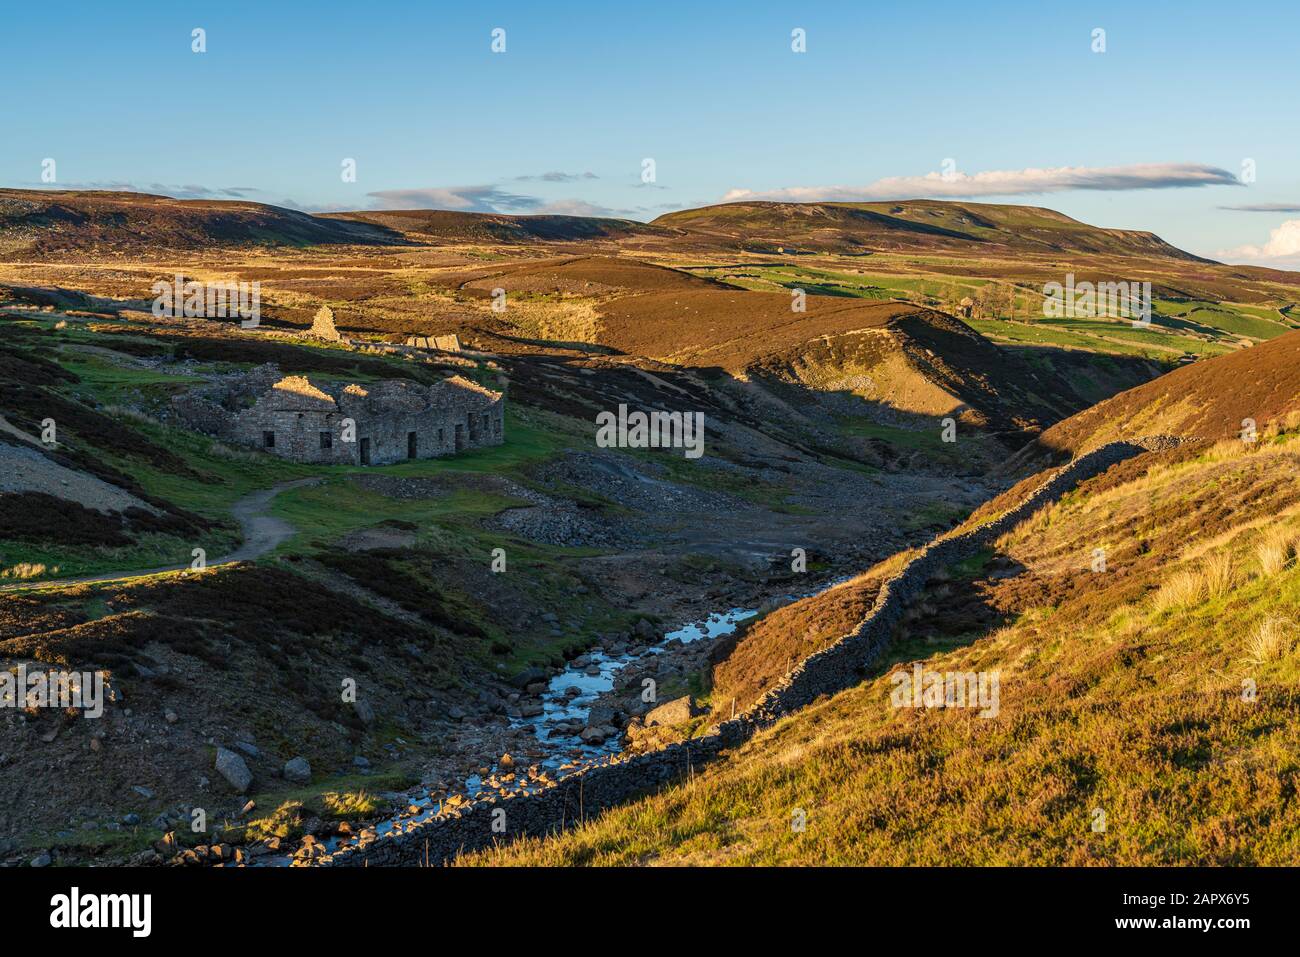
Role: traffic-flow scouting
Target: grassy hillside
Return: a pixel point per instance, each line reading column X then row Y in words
column 74, row 224
column 1121, row 692
column 1209, row 401
column 438, row 225
column 921, row 225
column 1143, row 634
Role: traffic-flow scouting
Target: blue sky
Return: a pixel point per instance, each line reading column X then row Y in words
column 562, row 120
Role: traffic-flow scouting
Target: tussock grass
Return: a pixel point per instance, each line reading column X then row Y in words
column 1183, row 589
column 1275, row 550
column 1213, row 578
column 345, row 804
column 26, row 570
column 1271, row 640
column 1219, row 575
column 284, row 822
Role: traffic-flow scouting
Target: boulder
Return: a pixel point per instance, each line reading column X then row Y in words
column 528, row 676
column 673, row 712
column 297, row 770
column 232, row 767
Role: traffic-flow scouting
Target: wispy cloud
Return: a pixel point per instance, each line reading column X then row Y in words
column 491, row 199
column 1265, row 208
column 557, row 177
column 467, row 199
column 958, row 185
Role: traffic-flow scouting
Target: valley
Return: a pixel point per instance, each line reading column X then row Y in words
column 872, row 377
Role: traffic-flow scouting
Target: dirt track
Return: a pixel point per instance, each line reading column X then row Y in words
column 262, row 533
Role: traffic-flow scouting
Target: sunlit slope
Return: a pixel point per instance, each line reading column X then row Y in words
column 1147, row 713
column 1206, row 401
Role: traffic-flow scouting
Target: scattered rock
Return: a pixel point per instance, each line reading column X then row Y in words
column 297, row 770
column 527, row 677
column 673, row 712
column 232, row 767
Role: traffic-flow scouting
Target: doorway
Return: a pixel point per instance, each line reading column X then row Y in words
column 365, row 451
column 411, row 443
column 460, row 437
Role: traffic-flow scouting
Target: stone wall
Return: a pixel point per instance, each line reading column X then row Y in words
column 297, row 434
column 618, row 779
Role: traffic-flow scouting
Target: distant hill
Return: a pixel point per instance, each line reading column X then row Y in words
column 438, row 225
column 918, row 225
column 64, row 223
column 44, row 223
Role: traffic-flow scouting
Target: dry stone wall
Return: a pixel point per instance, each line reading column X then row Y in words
column 843, row 665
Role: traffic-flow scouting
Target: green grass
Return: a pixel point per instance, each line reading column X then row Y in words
column 925, row 440
column 149, row 550
column 324, row 513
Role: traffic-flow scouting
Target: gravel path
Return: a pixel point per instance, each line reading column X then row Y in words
column 262, row 533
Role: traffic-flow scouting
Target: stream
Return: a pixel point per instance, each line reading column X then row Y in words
column 562, row 710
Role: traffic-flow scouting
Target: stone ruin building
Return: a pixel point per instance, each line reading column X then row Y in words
column 375, row 423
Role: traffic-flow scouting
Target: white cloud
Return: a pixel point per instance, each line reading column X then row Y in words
column 1003, row 183
column 1281, row 250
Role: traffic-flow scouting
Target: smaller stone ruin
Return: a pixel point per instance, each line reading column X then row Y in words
column 448, row 343
column 322, row 327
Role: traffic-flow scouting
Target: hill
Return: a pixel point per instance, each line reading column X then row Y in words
column 889, row 365
column 89, row 223
column 914, row 225
column 1145, row 708
column 448, row 226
